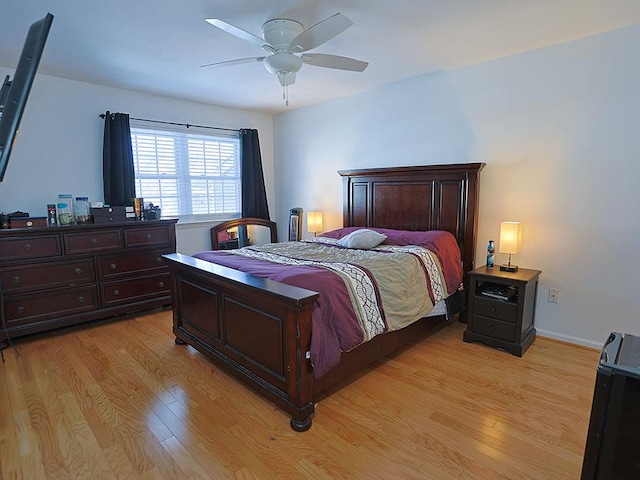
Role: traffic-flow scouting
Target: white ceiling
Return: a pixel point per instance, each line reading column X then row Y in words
column 157, row 46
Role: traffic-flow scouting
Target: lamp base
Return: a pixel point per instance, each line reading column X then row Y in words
column 509, row 268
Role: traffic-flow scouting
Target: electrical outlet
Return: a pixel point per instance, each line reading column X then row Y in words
column 553, row 295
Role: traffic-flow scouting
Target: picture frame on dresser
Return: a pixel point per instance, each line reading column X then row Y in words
column 55, row 277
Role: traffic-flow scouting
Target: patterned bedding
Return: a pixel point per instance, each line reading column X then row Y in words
column 363, row 292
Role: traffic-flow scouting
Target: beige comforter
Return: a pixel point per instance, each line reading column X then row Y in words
column 390, row 286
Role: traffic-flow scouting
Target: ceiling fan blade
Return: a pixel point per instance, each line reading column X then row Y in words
column 320, row 32
column 334, row 61
column 237, row 32
column 237, row 61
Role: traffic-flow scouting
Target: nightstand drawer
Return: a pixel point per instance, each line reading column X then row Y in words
column 494, row 328
column 506, row 311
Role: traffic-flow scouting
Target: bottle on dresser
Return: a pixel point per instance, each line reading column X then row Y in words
column 490, row 254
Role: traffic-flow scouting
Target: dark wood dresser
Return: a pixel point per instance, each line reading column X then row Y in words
column 59, row 276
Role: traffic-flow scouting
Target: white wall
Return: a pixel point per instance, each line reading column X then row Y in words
column 558, row 130
column 59, row 146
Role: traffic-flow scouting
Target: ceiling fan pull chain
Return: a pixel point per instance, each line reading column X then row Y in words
column 285, row 87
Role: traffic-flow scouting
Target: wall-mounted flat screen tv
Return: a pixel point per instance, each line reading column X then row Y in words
column 14, row 93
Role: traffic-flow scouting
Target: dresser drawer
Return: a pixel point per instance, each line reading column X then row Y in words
column 113, row 266
column 96, row 241
column 506, row 311
column 31, row 308
column 140, row 237
column 30, row 247
column 137, row 289
column 494, row 328
column 47, row 275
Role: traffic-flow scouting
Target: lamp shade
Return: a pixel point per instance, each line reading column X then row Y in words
column 510, row 237
column 314, row 222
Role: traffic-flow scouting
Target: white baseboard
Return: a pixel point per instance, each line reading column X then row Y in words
column 570, row 339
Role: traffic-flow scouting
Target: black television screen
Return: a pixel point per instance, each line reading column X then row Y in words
column 14, row 93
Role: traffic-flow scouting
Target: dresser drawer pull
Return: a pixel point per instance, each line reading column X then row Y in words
column 493, row 309
column 161, row 284
column 81, row 299
column 116, row 292
column 16, row 279
column 94, row 241
column 113, row 266
column 27, row 246
column 20, row 310
column 492, row 327
column 148, row 236
column 78, row 271
column 158, row 259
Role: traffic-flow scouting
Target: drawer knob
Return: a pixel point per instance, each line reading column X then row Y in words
column 158, row 259
column 81, row 299
column 161, row 284
column 27, row 246
column 493, row 309
column 492, row 327
column 78, row 271
column 20, row 310
column 113, row 266
column 116, row 292
column 148, row 236
column 94, row 241
column 16, row 279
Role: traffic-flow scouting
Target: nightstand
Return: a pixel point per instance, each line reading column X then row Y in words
column 502, row 308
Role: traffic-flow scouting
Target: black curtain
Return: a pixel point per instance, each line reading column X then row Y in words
column 254, row 194
column 117, row 160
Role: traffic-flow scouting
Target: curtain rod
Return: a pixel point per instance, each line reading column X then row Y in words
column 102, row 115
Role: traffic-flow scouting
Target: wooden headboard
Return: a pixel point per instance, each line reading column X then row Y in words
column 433, row 197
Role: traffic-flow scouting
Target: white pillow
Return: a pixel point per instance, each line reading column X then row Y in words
column 363, row 238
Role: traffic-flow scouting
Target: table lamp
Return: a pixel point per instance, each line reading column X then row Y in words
column 314, row 222
column 510, row 242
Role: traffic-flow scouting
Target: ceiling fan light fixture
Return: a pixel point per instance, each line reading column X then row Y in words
column 282, row 62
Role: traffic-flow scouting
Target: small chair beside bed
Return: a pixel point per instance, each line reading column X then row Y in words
column 259, row 324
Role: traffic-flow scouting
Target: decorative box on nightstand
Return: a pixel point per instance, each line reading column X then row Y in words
column 502, row 308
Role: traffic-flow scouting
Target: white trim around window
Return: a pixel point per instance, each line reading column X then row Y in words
column 192, row 173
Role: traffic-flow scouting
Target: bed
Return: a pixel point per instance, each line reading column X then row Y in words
column 260, row 330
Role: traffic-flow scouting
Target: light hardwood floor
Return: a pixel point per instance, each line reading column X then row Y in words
column 121, row 400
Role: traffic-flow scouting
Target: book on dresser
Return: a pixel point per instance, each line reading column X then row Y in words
column 55, row 277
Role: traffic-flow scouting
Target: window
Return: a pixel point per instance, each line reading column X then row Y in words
column 192, row 173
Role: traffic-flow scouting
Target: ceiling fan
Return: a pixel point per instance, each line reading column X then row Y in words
column 287, row 41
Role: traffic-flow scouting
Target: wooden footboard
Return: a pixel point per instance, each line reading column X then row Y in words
column 256, row 329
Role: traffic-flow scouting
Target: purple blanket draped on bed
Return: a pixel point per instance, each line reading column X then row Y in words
column 335, row 325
